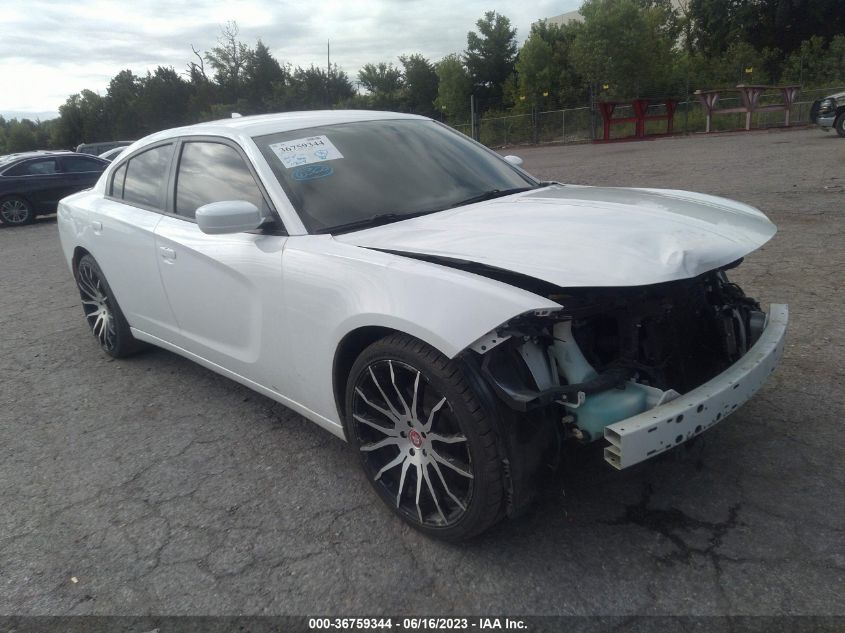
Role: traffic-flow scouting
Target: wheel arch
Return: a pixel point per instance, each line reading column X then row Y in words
column 354, row 342
column 348, row 350
column 78, row 253
column 5, row 196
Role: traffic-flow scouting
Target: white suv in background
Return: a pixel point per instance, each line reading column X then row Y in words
column 830, row 112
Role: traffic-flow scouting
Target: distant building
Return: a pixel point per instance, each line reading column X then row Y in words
column 574, row 16
column 563, row 18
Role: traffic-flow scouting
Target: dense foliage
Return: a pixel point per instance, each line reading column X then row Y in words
column 621, row 49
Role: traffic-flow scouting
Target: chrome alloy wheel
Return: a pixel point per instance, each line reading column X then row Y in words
column 14, row 211
column 412, row 445
column 95, row 303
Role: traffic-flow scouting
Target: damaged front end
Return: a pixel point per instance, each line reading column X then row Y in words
column 615, row 362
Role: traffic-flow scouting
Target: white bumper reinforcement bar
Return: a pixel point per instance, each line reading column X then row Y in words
column 646, row 435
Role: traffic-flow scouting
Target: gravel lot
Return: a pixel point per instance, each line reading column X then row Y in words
column 153, row 486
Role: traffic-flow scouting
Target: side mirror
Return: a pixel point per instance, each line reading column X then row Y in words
column 514, row 160
column 228, row 216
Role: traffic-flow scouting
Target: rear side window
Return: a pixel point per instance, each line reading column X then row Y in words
column 75, row 164
column 33, row 168
column 213, row 172
column 146, row 177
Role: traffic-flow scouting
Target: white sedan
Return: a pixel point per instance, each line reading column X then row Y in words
column 409, row 290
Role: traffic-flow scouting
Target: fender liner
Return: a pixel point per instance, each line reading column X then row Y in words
column 526, row 441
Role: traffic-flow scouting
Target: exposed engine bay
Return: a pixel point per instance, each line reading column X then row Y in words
column 609, row 355
column 612, row 353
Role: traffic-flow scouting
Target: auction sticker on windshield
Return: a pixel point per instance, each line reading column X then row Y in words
column 304, row 151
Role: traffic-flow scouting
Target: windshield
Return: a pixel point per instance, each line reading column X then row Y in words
column 348, row 174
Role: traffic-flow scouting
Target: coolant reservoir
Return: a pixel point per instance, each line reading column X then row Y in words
column 608, row 407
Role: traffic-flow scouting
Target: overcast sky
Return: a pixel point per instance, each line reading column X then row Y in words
column 52, row 49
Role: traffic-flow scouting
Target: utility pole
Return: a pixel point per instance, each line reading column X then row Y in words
column 472, row 117
column 328, row 73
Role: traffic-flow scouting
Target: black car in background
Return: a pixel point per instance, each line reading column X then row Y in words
column 32, row 183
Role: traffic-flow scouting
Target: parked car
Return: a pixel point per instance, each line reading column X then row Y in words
column 830, row 112
column 451, row 316
column 32, row 183
column 98, row 148
column 113, row 153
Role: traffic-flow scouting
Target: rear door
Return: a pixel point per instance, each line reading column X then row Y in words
column 39, row 180
column 225, row 290
column 80, row 172
column 123, row 241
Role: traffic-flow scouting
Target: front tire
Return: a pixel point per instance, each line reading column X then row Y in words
column 426, row 444
column 16, row 211
column 102, row 312
column 839, row 124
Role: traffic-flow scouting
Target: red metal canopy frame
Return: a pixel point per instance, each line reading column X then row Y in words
column 640, row 107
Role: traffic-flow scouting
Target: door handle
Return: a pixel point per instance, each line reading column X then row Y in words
column 97, row 226
column 167, row 253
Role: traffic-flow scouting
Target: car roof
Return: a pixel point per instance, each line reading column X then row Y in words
column 7, row 160
column 34, row 154
column 260, row 124
column 11, row 160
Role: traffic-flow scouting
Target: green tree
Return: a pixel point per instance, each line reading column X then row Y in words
column 83, row 119
column 204, row 92
column 490, row 57
column 121, row 105
column 262, row 75
column 453, row 89
column 716, row 24
column 384, row 83
column 784, row 24
column 341, row 88
column 229, row 60
column 625, row 46
column 420, row 84
column 729, row 68
column 536, row 69
column 20, row 137
column 313, row 88
column 163, row 101
column 817, row 63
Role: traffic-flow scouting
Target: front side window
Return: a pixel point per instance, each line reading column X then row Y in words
column 146, row 177
column 350, row 173
column 213, row 172
column 33, row 168
column 76, row 164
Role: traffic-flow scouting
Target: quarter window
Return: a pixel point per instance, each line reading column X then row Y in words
column 75, row 164
column 117, row 181
column 213, row 172
column 146, row 176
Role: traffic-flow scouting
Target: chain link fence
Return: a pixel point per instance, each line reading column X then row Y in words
column 578, row 125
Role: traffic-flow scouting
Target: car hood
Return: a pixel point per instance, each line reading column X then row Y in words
column 574, row 236
column 837, row 96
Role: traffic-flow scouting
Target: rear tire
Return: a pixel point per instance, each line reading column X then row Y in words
column 102, row 312
column 839, row 124
column 16, row 211
column 426, row 444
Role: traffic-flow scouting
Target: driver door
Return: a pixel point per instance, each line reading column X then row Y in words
column 225, row 290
